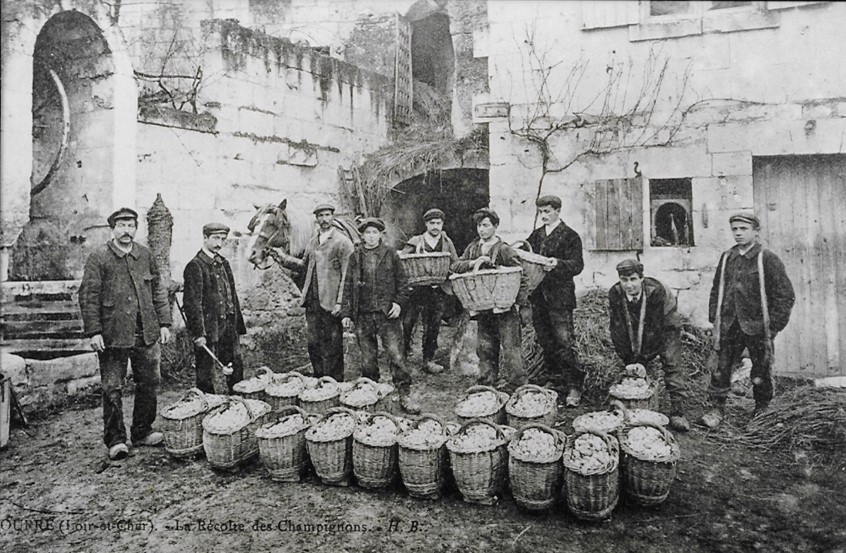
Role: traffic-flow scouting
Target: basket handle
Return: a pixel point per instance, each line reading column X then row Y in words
column 531, row 388
column 195, row 392
column 499, row 433
column 419, row 248
column 265, row 371
column 664, row 432
column 480, row 388
column 431, row 417
column 287, row 411
column 361, row 381
column 390, row 417
column 539, row 426
column 620, row 406
column 605, row 437
column 290, row 376
column 325, row 380
column 477, row 264
column 523, row 244
column 337, row 410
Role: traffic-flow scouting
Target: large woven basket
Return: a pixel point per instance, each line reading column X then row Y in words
column 535, row 481
column 375, row 463
column 480, row 290
column 264, row 374
column 226, row 449
column 426, row 269
column 183, row 434
column 647, row 481
column 332, row 459
column 382, row 390
column 480, row 474
column 518, row 420
column 533, row 263
column 496, row 416
column 592, row 495
column 423, row 467
column 649, row 399
column 279, row 399
column 321, row 407
column 284, row 457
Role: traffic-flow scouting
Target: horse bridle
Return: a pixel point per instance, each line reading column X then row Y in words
column 267, row 249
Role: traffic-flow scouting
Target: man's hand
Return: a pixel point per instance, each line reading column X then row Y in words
column 200, row 342
column 553, row 263
column 97, row 343
column 336, row 310
column 395, row 311
column 636, row 369
column 525, row 315
column 165, row 335
column 486, row 261
column 347, row 323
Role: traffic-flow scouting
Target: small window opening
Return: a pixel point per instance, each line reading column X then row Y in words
column 671, row 211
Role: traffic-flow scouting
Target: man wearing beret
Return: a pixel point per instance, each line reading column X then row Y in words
column 554, row 300
column 125, row 312
column 427, row 300
column 747, row 309
column 212, row 310
column 499, row 331
column 377, row 288
column 645, row 324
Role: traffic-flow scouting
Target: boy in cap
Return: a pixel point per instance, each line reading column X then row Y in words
column 212, row 311
column 377, row 288
column 125, row 313
column 747, row 312
column 554, row 300
column 428, row 300
column 645, row 324
column 499, row 331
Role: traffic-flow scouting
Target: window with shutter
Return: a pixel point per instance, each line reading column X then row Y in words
column 618, row 205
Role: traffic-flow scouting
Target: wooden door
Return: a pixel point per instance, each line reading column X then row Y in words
column 801, row 201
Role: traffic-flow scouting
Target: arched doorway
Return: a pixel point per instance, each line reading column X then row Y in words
column 73, row 148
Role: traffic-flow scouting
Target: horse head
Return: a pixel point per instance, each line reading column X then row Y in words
column 270, row 228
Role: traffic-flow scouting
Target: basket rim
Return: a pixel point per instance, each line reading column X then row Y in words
column 485, row 272
column 330, row 413
column 424, row 255
column 369, row 419
column 675, row 451
column 531, row 388
column 498, row 442
column 502, row 399
column 560, row 439
column 610, row 466
column 651, row 388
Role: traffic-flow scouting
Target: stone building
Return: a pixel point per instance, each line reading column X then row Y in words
column 717, row 106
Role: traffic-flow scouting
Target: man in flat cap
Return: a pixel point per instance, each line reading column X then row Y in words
column 126, row 314
column 554, row 300
column 212, row 311
column 751, row 300
column 325, row 263
column 427, row 300
column 645, row 324
column 499, row 331
column 377, row 288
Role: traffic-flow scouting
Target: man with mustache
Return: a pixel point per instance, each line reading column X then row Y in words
column 212, row 311
column 125, row 313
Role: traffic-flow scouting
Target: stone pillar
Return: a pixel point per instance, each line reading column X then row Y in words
column 160, row 237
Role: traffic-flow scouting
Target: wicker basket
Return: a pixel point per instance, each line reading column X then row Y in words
column 496, row 417
column 424, row 467
column 426, row 269
column 480, row 474
column 279, row 399
column 533, row 263
column 592, row 495
column 265, row 375
column 480, row 290
column 548, row 418
column 284, row 457
column 535, row 481
column 382, row 390
column 648, row 399
column 374, row 463
column 321, row 407
column 601, row 422
column 183, row 434
column 647, row 481
column 332, row 459
column 226, row 449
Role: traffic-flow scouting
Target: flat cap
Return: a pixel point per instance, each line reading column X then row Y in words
column 549, row 200
column 122, row 213
column 629, row 267
column 371, row 222
column 486, row 212
column 433, row 213
column 215, row 228
column 324, row 207
column 746, row 217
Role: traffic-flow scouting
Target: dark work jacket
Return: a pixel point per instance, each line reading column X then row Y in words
column 661, row 318
column 392, row 282
column 202, row 298
column 564, row 244
column 115, row 284
column 742, row 293
column 503, row 255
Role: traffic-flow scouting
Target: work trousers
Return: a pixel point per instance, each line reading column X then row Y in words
column 227, row 350
column 499, row 342
column 556, row 336
column 427, row 301
column 146, row 374
column 325, row 338
column 732, row 344
column 367, row 327
column 671, row 362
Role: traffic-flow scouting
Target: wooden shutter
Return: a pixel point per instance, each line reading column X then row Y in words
column 615, row 13
column 618, row 212
column 402, row 73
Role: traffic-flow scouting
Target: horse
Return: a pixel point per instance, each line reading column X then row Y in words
column 273, row 226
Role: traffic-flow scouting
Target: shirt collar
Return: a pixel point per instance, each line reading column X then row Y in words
column 550, row 228
column 120, row 253
column 750, row 253
column 490, row 242
column 208, row 252
column 431, row 240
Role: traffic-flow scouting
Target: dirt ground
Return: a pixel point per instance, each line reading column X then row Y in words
column 60, row 493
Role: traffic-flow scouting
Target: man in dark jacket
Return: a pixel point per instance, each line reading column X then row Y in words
column 377, row 288
column 125, row 312
column 741, row 319
column 554, row 300
column 499, row 331
column 212, row 310
column 645, row 324
column 427, row 300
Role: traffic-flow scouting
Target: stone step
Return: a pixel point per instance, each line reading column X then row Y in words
column 40, row 328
